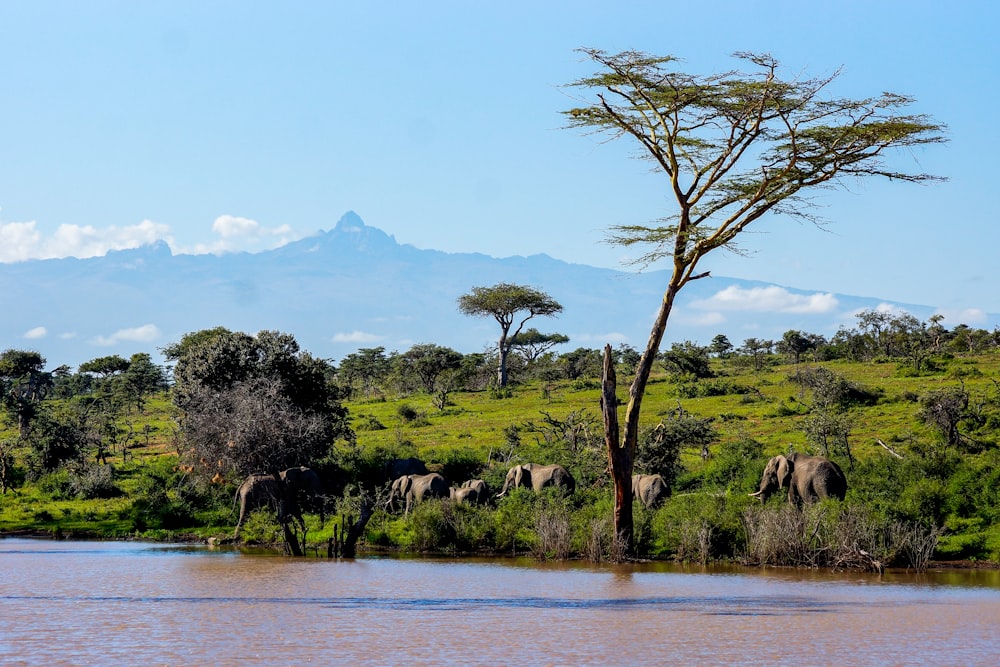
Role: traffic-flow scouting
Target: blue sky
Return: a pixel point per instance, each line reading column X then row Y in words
column 241, row 125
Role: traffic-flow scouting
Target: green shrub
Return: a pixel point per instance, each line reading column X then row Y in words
column 967, row 546
column 56, row 484
column 513, row 521
column 369, row 423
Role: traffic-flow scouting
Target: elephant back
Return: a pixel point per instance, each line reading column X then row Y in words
column 437, row 486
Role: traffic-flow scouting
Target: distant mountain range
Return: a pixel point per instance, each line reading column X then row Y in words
column 355, row 287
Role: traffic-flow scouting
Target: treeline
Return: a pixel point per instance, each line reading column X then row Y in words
column 244, row 404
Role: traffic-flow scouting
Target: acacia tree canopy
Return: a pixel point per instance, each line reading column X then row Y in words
column 532, row 344
column 507, row 303
column 733, row 147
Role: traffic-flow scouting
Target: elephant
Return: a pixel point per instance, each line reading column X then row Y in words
column 281, row 492
column 396, row 468
column 257, row 490
column 415, row 488
column 472, row 492
column 650, row 490
column 302, row 483
column 807, row 478
column 537, row 477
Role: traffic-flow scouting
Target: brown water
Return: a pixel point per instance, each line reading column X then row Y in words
column 89, row 603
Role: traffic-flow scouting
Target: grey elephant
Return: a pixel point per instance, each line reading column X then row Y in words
column 472, row 492
column 258, row 490
column 807, row 478
column 416, row 488
column 650, row 490
column 282, row 492
column 301, row 484
column 536, row 477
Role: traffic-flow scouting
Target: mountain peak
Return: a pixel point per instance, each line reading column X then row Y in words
column 350, row 222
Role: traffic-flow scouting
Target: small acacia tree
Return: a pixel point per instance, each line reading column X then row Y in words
column 23, row 384
column 734, row 147
column 505, row 302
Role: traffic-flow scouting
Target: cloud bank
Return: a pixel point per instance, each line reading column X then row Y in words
column 770, row 299
column 22, row 241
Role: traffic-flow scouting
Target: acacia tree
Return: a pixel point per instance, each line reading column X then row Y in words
column 734, row 147
column 505, row 302
column 23, row 384
column 532, row 344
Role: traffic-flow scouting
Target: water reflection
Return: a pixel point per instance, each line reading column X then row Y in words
column 131, row 603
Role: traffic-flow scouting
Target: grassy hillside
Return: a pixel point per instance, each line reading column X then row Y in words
column 934, row 484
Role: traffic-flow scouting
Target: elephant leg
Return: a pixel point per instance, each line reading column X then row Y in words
column 243, row 513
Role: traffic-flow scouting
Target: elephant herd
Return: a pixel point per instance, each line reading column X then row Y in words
column 803, row 478
column 417, row 487
column 412, row 483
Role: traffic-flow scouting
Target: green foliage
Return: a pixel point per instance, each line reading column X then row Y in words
column 254, row 403
column 55, row 438
column 934, row 486
column 735, row 464
column 687, row 359
column 659, row 450
column 514, row 520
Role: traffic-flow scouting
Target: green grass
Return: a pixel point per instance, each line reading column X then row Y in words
column 474, row 430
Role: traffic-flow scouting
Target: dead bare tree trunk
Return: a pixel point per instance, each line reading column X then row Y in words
column 620, row 456
column 291, row 539
column 621, row 449
column 357, row 529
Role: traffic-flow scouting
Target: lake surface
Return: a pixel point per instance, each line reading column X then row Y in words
column 127, row 603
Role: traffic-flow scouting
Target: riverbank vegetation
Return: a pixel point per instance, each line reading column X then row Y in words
column 909, row 410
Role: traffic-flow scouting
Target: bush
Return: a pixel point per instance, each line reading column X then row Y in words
column 94, row 481
column 460, row 465
column 369, row 423
column 552, row 527
column 697, row 527
column 56, row 484
column 514, row 521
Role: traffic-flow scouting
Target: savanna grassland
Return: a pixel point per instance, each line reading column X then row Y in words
column 912, row 495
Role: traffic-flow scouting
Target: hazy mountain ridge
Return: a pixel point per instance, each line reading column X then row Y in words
column 355, row 286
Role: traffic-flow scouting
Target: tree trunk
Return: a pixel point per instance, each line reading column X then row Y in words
column 620, row 456
column 621, row 453
column 291, row 540
column 502, row 352
column 357, row 529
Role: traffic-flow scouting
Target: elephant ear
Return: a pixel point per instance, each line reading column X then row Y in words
column 405, row 484
column 519, row 475
column 785, row 468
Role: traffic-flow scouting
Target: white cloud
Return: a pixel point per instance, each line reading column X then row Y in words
column 20, row 241
column 142, row 334
column 237, row 234
column 706, row 319
column 771, row 299
column 356, row 337
column 969, row 316
column 37, row 332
